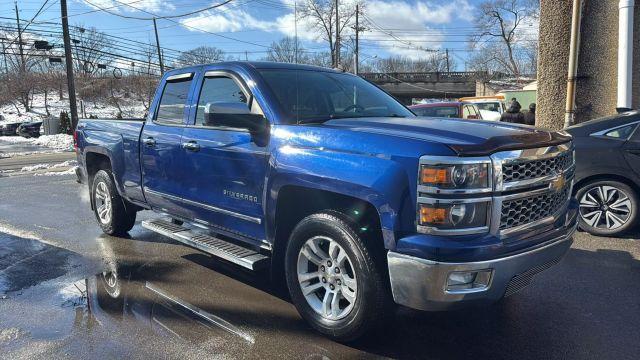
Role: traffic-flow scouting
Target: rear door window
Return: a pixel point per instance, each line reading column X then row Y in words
column 173, row 102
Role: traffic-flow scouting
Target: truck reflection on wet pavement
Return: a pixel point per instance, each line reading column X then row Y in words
column 154, row 297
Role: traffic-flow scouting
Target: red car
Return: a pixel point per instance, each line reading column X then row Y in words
column 450, row 109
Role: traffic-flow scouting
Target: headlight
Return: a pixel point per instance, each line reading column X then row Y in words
column 460, row 176
column 445, row 216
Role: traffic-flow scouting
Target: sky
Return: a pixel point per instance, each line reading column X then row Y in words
column 245, row 28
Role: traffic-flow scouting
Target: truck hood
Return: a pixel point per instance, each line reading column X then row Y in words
column 465, row 137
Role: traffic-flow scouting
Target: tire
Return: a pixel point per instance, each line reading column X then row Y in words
column 370, row 296
column 116, row 219
column 614, row 216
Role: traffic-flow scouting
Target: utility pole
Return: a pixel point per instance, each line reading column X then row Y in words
column 447, row 52
column 295, row 26
column 69, row 62
column 337, row 44
column 4, row 54
column 155, row 28
column 357, row 47
column 22, row 65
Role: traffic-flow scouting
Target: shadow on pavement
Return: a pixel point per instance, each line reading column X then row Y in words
column 164, row 299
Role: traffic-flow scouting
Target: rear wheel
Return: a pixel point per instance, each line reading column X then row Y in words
column 332, row 278
column 607, row 208
column 111, row 212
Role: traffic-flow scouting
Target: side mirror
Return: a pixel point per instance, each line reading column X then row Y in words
column 234, row 115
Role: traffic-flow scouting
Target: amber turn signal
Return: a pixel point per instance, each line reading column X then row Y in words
column 434, row 176
column 432, row 215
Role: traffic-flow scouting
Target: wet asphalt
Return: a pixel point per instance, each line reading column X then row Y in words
column 68, row 291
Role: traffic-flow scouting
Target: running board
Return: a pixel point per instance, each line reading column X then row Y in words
column 231, row 252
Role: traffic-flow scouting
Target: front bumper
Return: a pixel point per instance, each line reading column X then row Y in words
column 423, row 284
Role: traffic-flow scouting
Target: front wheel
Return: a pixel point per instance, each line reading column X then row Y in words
column 110, row 210
column 333, row 279
column 607, row 208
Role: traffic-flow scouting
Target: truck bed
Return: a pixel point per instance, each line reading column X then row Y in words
column 119, row 140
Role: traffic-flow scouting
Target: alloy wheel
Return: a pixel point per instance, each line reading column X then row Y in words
column 103, row 203
column 605, row 207
column 327, row 278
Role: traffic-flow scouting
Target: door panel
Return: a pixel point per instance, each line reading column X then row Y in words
column 224, row 168
column 159, row 159
column 631, row 150
column 225, row 180
column 161, row 148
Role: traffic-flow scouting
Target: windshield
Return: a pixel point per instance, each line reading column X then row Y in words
column 317, row 96
column 490, row 106
column 437, row 111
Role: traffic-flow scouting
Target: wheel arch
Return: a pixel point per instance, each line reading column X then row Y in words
column 606, row 177
column 295, row 202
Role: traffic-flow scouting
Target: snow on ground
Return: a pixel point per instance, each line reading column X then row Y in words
column 57, row 142
column 38, row 113
column 71, row 171
column 48, row 166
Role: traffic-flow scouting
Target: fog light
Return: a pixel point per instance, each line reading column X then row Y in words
column 468, row 281
column 461, row 278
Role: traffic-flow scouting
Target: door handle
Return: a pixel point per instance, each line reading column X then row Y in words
column 149, row 142
column 191, row 146
column 634, row 151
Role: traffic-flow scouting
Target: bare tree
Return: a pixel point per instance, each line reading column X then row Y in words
column 500, row 23
column 90, row 47
column 199, row 55
column 285, row 51
column 322, row 19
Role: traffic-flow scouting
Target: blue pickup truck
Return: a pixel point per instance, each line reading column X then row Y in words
column 336, row 189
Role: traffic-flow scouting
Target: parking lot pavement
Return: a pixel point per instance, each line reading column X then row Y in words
column 68, row 291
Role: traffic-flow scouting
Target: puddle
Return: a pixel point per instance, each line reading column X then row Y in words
column 26, row 262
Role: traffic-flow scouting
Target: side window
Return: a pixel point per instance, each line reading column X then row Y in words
column 173, row 102
column 621, row 133
column 465, row 112
column 218, row 89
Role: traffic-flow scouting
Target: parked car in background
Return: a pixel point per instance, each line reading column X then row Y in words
column 30, row 130
column 608, row 173
column 491, row 107
column 452, row 109
column 9, row 129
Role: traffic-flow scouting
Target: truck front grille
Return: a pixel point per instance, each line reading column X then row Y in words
column 532, row 208
column 532, row 169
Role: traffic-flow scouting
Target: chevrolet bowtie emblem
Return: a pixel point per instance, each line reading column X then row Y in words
column 558, row 182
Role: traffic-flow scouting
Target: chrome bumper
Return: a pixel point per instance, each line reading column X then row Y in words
column 422, row 284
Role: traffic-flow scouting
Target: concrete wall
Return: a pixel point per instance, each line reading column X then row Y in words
column 597, row 61
column 555, row 30
column 596, row 88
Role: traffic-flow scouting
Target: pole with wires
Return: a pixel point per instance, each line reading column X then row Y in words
column 357, row 49
column 337, row 44
column 155, row 28
column 4, row 54
column 295, row 26
column 22, row 65
column 69, row 62
column 447, row 54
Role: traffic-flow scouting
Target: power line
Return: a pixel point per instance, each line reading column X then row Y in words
column 193, row 27
column 157, row 17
